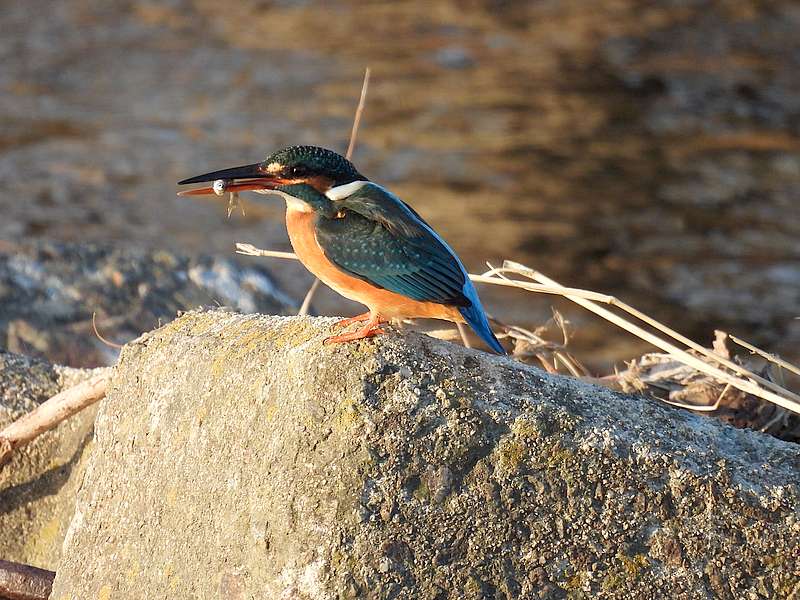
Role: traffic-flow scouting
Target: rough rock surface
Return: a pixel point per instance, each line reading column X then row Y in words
column 39, row 484
column 239, row 457
column 49, row 291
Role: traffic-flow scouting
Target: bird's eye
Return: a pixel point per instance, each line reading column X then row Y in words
column 296, row 170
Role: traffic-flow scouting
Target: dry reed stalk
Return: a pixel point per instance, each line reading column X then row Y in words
column 776, row 394
column 766, row 355
column 513, row 267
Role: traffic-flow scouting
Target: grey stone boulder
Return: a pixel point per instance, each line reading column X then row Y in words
column 239, row 457
column 49, row 292
column 39, row 484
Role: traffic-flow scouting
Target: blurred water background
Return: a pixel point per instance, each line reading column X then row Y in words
column 649, row 150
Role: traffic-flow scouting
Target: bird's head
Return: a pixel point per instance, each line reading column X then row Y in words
column 316, row 167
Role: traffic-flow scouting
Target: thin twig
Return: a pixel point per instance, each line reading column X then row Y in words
column 357, row 119
column 51, row 412
column 304, row 308
column 100, row 337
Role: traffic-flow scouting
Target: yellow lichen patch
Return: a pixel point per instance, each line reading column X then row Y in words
column 628, row 570
column 219, row 365
column 510, row 453
column 347, row 416
column 197, row 324
column 633, row 564
column 611, row 581
column 270, row 411
column 513, row 448
column 557, row 456
column 173, row 580
column 251, row 333
column 104, row 593
column 171, row 496
column 524, row 428
column 43, row 541
column 421, row 492
column 577, row 581
column 293, row 334
column 133, row 573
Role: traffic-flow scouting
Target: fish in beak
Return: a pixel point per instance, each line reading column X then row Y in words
column 253, row 177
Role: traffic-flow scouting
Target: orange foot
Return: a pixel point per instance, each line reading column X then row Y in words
column 370, row 329
column 351, row 320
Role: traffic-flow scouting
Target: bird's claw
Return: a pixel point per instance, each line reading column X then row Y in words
column 351, row 320
column 355, row 335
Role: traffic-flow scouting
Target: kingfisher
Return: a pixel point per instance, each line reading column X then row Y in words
column 360, row 240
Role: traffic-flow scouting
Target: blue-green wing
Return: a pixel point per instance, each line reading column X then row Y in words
column 379, row 239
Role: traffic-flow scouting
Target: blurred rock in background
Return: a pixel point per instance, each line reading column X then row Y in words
column 49, row 291
column 648, row 150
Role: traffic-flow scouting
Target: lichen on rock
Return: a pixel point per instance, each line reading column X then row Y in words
column 239, row 456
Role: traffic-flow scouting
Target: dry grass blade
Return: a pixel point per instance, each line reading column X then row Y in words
column 532, row 345
column 539, row 288
column 776, row 394
column 766, row 355
column 697, row 407
column 512, row 267
column 357, row 119
column 100, row 337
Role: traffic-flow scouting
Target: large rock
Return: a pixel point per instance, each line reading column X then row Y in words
column 39, row 484
column 239, row 457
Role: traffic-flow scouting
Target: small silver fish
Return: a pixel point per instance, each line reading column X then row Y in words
column 220, row 185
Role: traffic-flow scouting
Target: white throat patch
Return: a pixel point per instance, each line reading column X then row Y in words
column 343, row 191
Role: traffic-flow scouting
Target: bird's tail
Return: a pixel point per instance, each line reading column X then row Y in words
column 477, row 319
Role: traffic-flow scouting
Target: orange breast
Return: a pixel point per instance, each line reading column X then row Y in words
column 300, row 226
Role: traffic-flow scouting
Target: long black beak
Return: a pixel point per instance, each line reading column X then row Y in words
column 245, row 172
column 237, row 179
